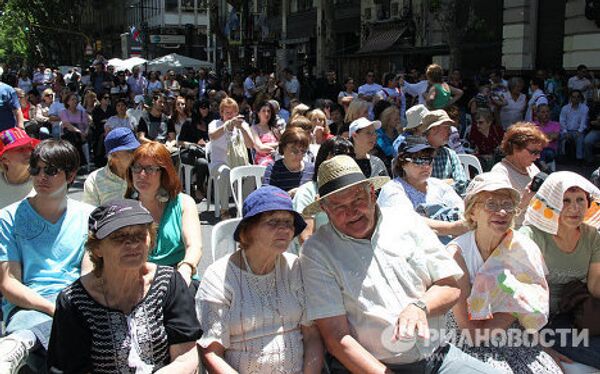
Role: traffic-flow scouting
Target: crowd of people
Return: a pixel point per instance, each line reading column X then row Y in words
column 368, row 248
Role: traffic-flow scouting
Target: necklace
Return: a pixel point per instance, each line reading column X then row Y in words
column 515, row 167
column 273, row 361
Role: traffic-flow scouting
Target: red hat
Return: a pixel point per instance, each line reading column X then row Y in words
column 15, row 138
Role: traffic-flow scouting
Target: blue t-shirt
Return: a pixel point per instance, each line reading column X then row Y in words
column 50, row 254
column 9, row 101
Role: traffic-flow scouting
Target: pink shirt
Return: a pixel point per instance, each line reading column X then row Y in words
column 550, row 128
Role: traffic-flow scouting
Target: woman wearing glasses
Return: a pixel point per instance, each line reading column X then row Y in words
column 485, row 138
column 251, row 304
column 152, row 179
column 417, row 190
column 291, row 171
column 127, row 315
column 503, row 286
column 522, row 144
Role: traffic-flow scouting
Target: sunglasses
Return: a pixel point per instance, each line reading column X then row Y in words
column 106, row 97
column 495, row 206
column 535, row 152
column 129, row 238
column 49, row 170
column 421, row 161
column 137, row 169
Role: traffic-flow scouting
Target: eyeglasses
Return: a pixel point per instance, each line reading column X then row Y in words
column 49, row 170
column 575, row 97
column 106, row 97
column 494, row 206
column 421, row 161
column 280, row 223
column 534, row 152
column 297, row 151
column 368, row 133
column 181, row 104
column 129, row 238
column 151, row 169
column 203, row 107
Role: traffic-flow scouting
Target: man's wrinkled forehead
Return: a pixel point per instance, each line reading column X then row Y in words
column 347, row 194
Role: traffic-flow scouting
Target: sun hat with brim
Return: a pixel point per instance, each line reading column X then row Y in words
column 15, row 138
column 414, row 116
column 337, row 174
column 436, row 118
column 269, row 199
column 116, row 214
column 120, row 139
column 490, row 182
column 413, row 144
column 361, row 123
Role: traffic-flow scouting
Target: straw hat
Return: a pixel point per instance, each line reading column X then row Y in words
column 337, row 174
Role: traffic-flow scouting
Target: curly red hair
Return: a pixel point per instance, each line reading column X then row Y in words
column 169, row 180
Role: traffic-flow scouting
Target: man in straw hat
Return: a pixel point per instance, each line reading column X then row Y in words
column 446, row 165
column 380, row 281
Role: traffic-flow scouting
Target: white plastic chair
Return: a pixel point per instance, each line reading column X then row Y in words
column 187, row 176
column 236, row 177
column 214, row 180
column 470, row 160
column 222, row 238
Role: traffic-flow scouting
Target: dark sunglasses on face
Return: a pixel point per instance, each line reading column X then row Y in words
column 106, row 97
column 421, row 161
column 48, row 170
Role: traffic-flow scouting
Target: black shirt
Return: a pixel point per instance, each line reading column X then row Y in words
column 88, row 337
column 154, row 128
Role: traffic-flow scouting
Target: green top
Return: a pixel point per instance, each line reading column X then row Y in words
column 565, row 267
column 170, row 249
column 442, row 97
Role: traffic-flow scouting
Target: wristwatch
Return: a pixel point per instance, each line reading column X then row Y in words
column 421, row 305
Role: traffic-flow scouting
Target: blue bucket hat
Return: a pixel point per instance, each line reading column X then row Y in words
column 269, row 199
column 120, row 139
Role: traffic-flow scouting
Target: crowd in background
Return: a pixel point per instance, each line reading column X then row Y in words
column 368, row 229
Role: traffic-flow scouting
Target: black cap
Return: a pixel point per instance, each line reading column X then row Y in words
column 116, row 214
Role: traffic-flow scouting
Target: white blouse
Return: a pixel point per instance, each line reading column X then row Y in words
column 513, row 110
column 256, row 318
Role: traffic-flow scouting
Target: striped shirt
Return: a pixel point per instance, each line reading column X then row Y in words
column 103, row 185
column 278, row 175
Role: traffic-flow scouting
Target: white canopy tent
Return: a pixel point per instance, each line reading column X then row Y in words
column 177, row 62
column 116, row 62
column 130, row 63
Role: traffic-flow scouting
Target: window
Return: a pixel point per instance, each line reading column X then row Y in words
column 394, row 9
column 367, row 13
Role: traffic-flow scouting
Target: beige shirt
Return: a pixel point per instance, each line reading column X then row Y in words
column 372, row 281
column 11, row 193
column 103, row 185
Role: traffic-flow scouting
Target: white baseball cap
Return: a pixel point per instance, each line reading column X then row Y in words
column 361, row 123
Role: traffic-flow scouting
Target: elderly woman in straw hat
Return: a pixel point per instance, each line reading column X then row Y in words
column 128, row 315
column 251, row 304
column 504, row 284
column 562, row 218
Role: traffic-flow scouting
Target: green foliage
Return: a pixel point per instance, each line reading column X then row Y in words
column 38, row 30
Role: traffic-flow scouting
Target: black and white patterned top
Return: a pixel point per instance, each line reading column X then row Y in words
column 89, row 337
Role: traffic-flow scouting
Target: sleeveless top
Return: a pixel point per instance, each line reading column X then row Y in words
column 262, row 158
column 442, row 97
column 169, row 249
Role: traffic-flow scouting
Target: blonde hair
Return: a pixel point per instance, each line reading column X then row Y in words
column 386, row 116
column 299, row 110
column 470, row 205
column 228, row 103
column 355, row 110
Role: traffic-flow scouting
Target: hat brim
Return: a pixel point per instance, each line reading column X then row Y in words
column 440, row 123
column 494, row 188
column 130, row 147
column 417, row 148
column 315, row 207
column 106, row 230
column 19, row 143
column 299, row 223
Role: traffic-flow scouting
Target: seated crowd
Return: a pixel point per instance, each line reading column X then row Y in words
column 368, row 248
